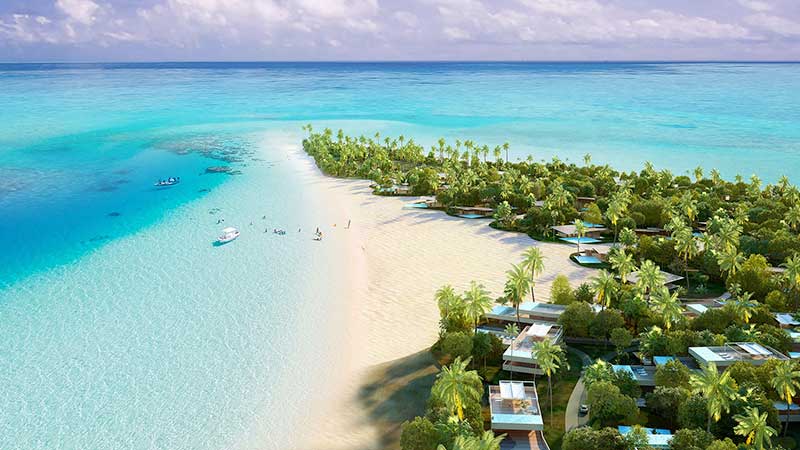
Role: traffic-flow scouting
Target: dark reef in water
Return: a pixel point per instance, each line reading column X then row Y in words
column 114, row 214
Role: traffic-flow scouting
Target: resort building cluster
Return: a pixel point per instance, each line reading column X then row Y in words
column 685, row 337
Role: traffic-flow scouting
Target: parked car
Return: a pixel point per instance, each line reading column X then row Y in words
column 583, row 410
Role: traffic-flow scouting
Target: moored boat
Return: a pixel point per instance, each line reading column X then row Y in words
column 228, row 234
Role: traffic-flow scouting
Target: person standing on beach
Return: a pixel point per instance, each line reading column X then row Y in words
column 348, row 224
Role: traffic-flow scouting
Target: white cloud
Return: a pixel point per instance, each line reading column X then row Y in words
column 81, row 11
column 406, row 18
column 774, row 24
column 756, row 5
column 564, row 7
column 455, row 33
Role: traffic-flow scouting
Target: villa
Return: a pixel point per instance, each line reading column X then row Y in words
column 786, row 320
column 514, row 408
column 726, row 355
column 519, row 356
column 643, row 375
column 656, row 437
column 651, row 231
column 473, row 212
column 529, row 312
column 669, row 279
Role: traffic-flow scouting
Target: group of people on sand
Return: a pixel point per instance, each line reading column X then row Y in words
column 282, row 232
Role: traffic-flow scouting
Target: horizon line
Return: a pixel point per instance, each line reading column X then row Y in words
column 429, row 61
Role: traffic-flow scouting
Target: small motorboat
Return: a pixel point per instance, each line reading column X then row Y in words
column 228, row 234
column 171, row 181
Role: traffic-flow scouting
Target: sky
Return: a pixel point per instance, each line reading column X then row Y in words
column 383, row 30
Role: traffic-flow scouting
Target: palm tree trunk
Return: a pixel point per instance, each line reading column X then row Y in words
column 550, row 389
column 708, row 424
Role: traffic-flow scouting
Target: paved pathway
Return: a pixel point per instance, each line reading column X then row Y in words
column 571, row 417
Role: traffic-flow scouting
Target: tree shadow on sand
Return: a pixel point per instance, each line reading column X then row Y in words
column 397, row 391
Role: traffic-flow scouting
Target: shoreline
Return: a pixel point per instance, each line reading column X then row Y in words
column 389, row 370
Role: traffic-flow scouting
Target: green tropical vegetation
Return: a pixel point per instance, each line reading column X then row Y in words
column 737, row 237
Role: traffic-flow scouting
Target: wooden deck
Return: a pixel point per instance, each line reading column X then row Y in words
column 523, row 440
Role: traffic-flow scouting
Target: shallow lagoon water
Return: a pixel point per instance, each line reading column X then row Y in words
column 122, row 326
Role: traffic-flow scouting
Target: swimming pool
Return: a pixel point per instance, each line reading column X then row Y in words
column 583, row 240
column 416, row 206
column 588, row 260
column 471, row 216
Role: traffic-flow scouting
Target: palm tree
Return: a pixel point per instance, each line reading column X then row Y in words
column 604, row 286
column 742, row 306
column 587, row 159
column 614, row 212
column 512, row 330
column 623, row 264
column 728, row 234
column 476, row 302
column 698, row 174
column 792, row 217
column 730, row 260
column 754, row 426
column 667, row 306
column 448, row 301
column 688, row 206
column 497, row 152
column 486, row 441
column 505, row 147
column 550, row 357
column 456, row 385
column 650, row 278
column 785, row 380
column 686, row 246
column 792, row 275
column 716, row 178
column 517, row 286
column 533, row 262
column 580, row 230
column 719, row 390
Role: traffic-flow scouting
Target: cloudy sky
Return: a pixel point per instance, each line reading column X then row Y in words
column 203, row 30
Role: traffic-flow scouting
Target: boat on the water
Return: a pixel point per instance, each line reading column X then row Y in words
column 228, row 234
column 171, row 181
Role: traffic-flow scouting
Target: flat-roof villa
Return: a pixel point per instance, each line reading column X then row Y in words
column 728, row 354
column 529, row 312
column 514, row 408
column 656, row 437
column 473, row 212
column 669, row 278
column 519, row 356
column 786, row 320
column 643, row 375
column 569, row 233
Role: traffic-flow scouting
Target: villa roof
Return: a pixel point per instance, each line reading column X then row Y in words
column 570, row 229
column 514, row 405
column 669, row 278
column 735, row 351
column 786, row 319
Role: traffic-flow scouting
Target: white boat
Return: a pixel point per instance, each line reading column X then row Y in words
column 228, row 234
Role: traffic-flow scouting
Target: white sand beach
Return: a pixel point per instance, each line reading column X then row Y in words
column 399, row 258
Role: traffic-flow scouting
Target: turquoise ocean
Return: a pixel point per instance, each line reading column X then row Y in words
column 123, row 327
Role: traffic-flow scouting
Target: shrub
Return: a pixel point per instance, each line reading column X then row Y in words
column 419, row 434
column 457, row 344
column 691, row 439
column 608, row 405
column 584, row 293
column 673, row 374
column 576, row 319
column 561, row 292
column 604, row 322
column 665, row 402
column 777, row 301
